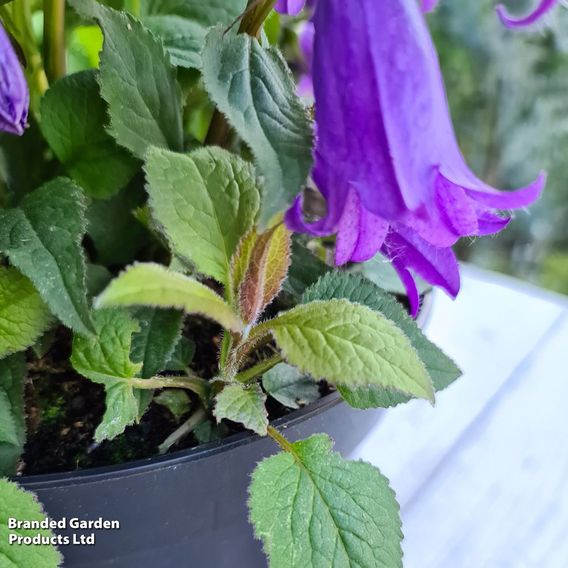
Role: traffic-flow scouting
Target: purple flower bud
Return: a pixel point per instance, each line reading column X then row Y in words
column 14, row 94
column 543, row 7
column 387, row 160
column 291, row 7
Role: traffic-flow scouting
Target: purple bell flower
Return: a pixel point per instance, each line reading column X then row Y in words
column 290, row 7
column 543, row 7
column 387, row 160
column 14, row 94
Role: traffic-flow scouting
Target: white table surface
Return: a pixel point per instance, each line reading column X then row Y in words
column 482, row 478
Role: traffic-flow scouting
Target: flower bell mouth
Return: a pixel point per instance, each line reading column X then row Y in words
column 14, row 94
column 387, row 159
column 542, row 8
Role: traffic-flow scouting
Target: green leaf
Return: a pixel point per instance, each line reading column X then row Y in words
column 23, row 315
column 42, row 238
column 105, row 359
column 12, row 420
column 154, row 344
column 305, row 270
column 349, row 344
column 312, row 508
column 182, row 24
column 243, row 404
column 73, row 122
column 154, row 285
column 182, row 356
column 289, row 387
column 15, row 503
column 255, row 90
column 205, row 203
column 176, row 401
column 116, row 233
column 380, row 271
column 137, row 81
column 442, row 370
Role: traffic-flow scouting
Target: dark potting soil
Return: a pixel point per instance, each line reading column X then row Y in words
column 63, row 410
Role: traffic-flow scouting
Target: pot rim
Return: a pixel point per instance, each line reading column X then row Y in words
column 202, row 451
column 174, row 459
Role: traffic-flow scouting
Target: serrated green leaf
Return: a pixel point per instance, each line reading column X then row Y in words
column 115, row 231
column 349, row 344
column 137, row 81
column 23, row 315
column 289, row 387
column 313, row 509
column 42, row 238
column 182, row 356
column 154, row 344
column 154, row 285
column 205, row 202
column 73, row 122
column 176, row 401
column 12, row 421
column 254, row 89
column 105, row 359
column 245, row 405
column 19, row 504
column 341, row 285
column 182, row 24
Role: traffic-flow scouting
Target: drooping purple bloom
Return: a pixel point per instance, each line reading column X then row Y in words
column 543, row 7
column 387, row 159
column 14, row 94
column 306, row 40
column 290, row 7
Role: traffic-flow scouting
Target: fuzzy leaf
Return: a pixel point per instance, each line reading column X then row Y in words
column 23, row 315
column 267, row 268
column 241, row 259
column 12, row 421
column 205, row 203
column 105, row 359
column 255, row 90
column 154, row 285
column 177, row 401
column 244, row 405
column 137, row 81
column 73, row 122
column 443, row 371
column 19, row 504
column 311, row 508
column 154, row 344
column 305, row 270
column 182, row 355
column 42, row 238
column 349, row 344
column 289, row 387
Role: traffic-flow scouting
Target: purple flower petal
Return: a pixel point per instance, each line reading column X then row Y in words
column 14, row 94
column 410, row 285
column 543, row 7
column 428, row 5
column 290, row 7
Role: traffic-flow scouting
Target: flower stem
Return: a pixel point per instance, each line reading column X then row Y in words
column 186, row 428
column 54, row 38
column 259, row 369
column 199, row 386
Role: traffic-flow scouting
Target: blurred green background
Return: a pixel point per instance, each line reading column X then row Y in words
column 508, row 92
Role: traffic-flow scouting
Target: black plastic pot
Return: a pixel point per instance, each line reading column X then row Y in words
column 187, row 509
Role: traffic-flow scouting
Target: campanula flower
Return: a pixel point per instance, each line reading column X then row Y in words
column 387, row 160
column 14, row 94
column 306, row 35
column 290, row 7
column 542, row 8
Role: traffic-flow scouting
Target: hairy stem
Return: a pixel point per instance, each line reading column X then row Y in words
column 194, row 384
column 280, row 440
column 186, row 428
column 259, row 369
column 54, row 38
